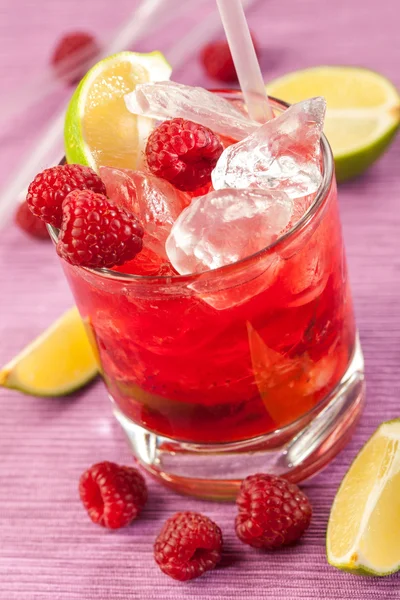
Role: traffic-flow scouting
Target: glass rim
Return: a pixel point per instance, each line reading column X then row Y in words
column 321, row 195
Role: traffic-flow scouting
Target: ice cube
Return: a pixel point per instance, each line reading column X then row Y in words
column 308, row 266
column 242, row 285
column 225, row 226
column 283, row 154
column 120, row 187
column 154, row 201
column 168, row 100
column 301, row 206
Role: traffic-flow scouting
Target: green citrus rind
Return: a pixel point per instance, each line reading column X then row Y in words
column 39, row 361
column 355, row 568
column 76, row 149
column 352, row 163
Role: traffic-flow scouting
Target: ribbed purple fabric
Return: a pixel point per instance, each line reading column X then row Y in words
column 48, row 547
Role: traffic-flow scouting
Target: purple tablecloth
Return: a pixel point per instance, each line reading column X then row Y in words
column 48, row 546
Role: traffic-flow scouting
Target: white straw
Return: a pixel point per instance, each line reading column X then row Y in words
column 51, row 142
column 140, row 21
column 196, row 37
column 50, row 148
column 245, row 59
column 38, row 87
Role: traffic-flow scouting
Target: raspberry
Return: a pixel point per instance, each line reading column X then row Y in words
column 188, row 545
column 73, row 55
column 49, row 188
column 96, row 233
column 272, row 512
column 183, row 153
column 29, row 223
column 206, row 189
column 112, row 495
column 217, row 61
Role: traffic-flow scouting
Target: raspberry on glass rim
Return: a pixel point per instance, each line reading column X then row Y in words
column 96, row 233
column 48, row 190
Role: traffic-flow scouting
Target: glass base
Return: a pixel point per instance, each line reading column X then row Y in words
column 296, row 452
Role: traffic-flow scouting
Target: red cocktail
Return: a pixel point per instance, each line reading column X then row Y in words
column 256, row 359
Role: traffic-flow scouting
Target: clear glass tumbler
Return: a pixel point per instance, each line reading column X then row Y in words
column 255, row 366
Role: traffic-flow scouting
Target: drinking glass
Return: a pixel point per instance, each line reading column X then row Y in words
column 255, row 366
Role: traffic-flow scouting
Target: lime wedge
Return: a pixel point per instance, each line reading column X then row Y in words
column 99, row 130
column 364, row 525
column 363, row 111
column 57, row 363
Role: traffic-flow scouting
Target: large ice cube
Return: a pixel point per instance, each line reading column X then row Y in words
column 154, row 201
column 225, row 226
column 168, row 100
column 283, row 154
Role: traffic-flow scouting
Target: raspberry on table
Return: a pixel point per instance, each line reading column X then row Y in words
column 188, row 545
column 272, row 512
column 113, row 495
column 184, row 153
column 74, row 54
column 29, row 223
column 217, row 61
column 96, row 233
column 48, row 190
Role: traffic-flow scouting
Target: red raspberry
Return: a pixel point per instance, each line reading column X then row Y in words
column 29, row 223
column 188, row 545
column 206, row 189
column 96, row 233
column 74, row 54
column 183, row 153
column 217, row 61
column 272, row 512
column 49, row 188
column 112, row 495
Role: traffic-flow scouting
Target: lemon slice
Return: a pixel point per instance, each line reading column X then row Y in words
column 364, row 525
column 363, row 111
column 99, row 130
column 58, row 362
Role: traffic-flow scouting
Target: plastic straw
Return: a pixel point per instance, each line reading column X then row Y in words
column 50, row 147
column 245, row 59
column 40, row 86
column 195, row 38
column 52, row 140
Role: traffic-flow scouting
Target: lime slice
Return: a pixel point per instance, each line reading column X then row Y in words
column 99, row 130
column 58, row 362
column 364, row 524
column 363, row 111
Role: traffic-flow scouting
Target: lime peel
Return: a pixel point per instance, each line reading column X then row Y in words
column 376, row 474
column 363, row 111
column 56, row 363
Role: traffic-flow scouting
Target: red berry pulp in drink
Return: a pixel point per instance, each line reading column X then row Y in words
column 181, row 365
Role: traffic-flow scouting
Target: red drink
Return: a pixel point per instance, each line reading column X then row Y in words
column 183, row 369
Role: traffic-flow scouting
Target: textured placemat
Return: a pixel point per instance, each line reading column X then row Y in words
column 48, row 547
